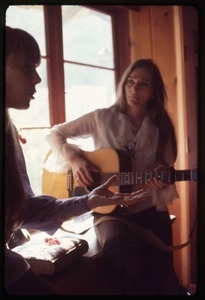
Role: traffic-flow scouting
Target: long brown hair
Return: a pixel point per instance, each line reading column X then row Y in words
column 15, row 198
column 156, row 106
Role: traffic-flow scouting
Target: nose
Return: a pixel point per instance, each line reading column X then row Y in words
column 136, row 87
column 36, row 77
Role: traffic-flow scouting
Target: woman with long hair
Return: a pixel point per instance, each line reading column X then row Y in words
column 138, row 124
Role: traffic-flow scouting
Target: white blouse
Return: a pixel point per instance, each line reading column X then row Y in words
column 108, row 127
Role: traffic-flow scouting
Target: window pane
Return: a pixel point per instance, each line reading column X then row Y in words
column 87, row 88
column 87, row 36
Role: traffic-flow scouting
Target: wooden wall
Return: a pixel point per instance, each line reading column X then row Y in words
column 159, row 32
column 190, row 34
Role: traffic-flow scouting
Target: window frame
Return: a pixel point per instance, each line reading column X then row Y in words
column 55, row 68
column 55, row 60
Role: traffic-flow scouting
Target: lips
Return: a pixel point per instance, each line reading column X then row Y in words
column 31, row 94
column 134, row 98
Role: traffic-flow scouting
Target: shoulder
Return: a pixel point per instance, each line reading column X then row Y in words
column 107, row 112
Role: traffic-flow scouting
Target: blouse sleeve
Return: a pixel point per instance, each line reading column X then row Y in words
column 58, row 139
column 81, row 127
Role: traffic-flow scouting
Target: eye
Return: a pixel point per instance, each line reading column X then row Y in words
column 144, row 85
column 130, row 82
column 29, row 68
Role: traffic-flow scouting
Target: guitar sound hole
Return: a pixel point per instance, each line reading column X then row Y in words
column 97, row 180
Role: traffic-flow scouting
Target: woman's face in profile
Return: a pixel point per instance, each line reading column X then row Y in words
column 21, row 79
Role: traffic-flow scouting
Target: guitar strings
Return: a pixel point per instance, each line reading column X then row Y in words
column 124, row 178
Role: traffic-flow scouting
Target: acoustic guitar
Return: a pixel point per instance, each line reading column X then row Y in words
column 110, row 162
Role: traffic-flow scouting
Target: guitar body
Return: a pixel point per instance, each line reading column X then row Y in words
column 108, row 161
column 54, row 184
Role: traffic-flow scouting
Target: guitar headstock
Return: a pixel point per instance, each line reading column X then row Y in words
column 182, row 175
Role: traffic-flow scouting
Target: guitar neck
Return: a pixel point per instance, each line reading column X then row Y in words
column 132, row 178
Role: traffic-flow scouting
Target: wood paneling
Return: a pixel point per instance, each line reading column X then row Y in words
column 159, row 32
column 190, row 26
column 140, row 34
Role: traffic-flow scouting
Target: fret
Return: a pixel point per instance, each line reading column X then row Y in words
column 132, row 178
column 138, row 177
column 120, row 179
column 166, row 176
column 126, row 179
column 143, row 177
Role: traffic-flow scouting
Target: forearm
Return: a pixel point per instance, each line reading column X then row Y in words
column 47, row 213
column 71, row 152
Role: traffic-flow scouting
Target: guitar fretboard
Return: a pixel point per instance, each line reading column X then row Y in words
column 131, row 178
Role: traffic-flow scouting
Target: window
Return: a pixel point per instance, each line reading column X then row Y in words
column 88, row 60
column 80, row 67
